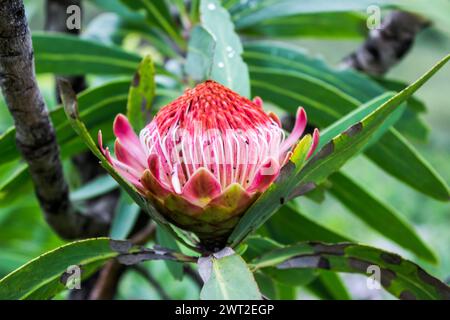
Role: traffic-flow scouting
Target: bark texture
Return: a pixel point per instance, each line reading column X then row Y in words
column 35, row 135
column 387, row 45
column 86, row 163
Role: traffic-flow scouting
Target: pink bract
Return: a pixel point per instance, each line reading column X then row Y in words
column 205, row 157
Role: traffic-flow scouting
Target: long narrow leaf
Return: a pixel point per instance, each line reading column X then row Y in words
column 402, row 278
column 228, row 67
column 71, row 108
column 328, row 94
column 141, row 94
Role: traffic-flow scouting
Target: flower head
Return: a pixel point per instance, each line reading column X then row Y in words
column 205, row 157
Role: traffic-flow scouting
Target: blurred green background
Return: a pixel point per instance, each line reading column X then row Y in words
column 24, row 234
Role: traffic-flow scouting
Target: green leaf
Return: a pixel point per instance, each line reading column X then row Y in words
column 16, row 185
column 328, row 285
column 289, row 225
column 378, row 215
column 70, row 55
column 141, row 94
column 125, row 217
column 165, row 240
column 94, row 188
column 96, row 105
column 158, row 14
column 341, row 148
column 334, row 25
column 258, row 245
column 228, row 68
column 291, row 58
column 200, row 57
column 95, row 109
column 328, row 94
column 402, row 278
column 266, row 285
column 252, row 12
column 116, row 28
column 328, row 160
column 285, row 292
column 411, row 125
column 358, row 115
column 117, row 7
column 45, row 276
column 50, row 273
column 274, row 197
column 421, row 175
column 6, row 119
column 394, row 85
column 230, row 280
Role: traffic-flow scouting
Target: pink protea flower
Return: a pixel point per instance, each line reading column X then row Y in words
column 205, row 157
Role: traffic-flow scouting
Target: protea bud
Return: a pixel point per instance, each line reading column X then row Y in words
column 205, row 157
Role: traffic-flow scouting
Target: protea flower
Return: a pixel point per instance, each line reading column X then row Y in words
column 205, row 157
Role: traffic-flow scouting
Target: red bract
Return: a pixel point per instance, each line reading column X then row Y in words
column 205, row 157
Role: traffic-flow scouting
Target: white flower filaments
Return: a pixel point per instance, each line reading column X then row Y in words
column 206, row 157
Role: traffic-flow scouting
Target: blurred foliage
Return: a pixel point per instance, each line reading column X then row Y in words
column 24, row 234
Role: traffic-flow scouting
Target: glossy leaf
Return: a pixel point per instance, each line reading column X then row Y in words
column 94, row 188
column 56, row 270
column 126, row 214
column 17, row 184
column 436, row 13
column 421, row 175
column 332, row 94
column 200, row 57
column 291, row 58
column 96, row 105
column 158, row 14
column 335, row 25
column 71, row 109
column 47, row 275
column 117, row 7
column 251, row 12
column 411, row 124
column 96, row 111
column 378, row 215
column 230, row 280
column 342, row 147
column 289, row 225
column 228, row 68
column 165, row 240
column 402, row 278
column 329, row 286
column 266, row 285
column 141, row 94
